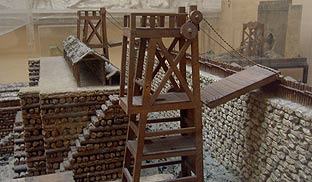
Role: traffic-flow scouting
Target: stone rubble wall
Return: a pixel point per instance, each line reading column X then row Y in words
column 9, row 105
column 261, row 138
column 33, row 133
column 34, row 72
column 256, row 136
column 99, row 152
column 64, row 116
column 20, row 167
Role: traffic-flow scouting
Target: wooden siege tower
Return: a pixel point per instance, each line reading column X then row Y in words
column 252, row 39
column 139, row 96
column 94, row 33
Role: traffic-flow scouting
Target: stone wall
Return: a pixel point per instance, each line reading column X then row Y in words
column 256, row 136
column 261, row 138
column 9, row 105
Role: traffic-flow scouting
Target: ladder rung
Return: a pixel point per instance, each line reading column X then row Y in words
column 183, row 179
column 162, row 120
column 171, row 132
column 131, row 149
column 134, row 127
column 165, row 147
column 127, row 174
column 168, row 163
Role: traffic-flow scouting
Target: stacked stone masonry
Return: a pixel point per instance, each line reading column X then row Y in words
column 20, row 167
column 258, row 136
column 64, row 117
column 261, row 138
column 6, row 145
column 33, row 133
column 98, row 153
column 9, row 105
column 34, row 71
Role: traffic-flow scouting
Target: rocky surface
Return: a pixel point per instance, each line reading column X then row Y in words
column 261, row 138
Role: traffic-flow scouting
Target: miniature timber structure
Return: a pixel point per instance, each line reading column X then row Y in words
column 140, row 100
column 252, row 45
column 94, row 32
column 79, row 57
column 253, row 39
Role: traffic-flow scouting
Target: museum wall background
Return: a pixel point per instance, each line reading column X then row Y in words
column 226, row 15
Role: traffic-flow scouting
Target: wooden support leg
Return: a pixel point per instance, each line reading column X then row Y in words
column 140, row 146
column 123, row 66
column 127, row 157
column 305, row 74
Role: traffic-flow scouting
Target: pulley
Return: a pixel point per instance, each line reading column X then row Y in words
column 189, row 30
column 196, row 17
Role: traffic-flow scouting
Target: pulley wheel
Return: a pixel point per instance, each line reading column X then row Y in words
column 196, row 17
column 188, row 30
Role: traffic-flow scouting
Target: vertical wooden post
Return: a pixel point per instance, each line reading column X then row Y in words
column 104, row 32
column 78, row 25
column 123, row 61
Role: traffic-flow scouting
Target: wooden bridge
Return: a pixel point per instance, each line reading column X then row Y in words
column 237, row 84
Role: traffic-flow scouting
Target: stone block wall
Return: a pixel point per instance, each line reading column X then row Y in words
column 99, row 152
column 33, row 71
column 33, row 133
column 257, row 136
column 64, row 116
column 261, row 138
column 9, row 105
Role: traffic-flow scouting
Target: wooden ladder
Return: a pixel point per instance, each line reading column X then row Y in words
column 138, row 99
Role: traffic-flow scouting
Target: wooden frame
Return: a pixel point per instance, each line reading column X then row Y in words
column 138, row 98
column 253, row 39
column 96, row 20
column 77, row 53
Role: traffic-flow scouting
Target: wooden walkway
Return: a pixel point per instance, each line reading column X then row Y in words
column 237, row 84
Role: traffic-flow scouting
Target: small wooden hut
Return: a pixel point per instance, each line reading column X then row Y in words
column 79, row 56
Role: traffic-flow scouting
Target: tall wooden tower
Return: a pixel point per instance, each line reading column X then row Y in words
column 94, row 33
column 139, row 97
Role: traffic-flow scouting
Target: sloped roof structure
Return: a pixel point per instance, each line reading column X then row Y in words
column 77, row 50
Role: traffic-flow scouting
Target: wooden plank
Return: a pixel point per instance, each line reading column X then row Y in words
column 171, row 132
column 237, row 84
column 166, row 147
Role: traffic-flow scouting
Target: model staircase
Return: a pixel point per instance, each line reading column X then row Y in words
column 98, row 152
column 185, row 142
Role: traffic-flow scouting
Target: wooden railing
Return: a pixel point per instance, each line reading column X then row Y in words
column 295, row 91
column 154, row 20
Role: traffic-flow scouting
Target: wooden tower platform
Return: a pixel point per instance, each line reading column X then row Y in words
column 237, row 84
column 139, row 98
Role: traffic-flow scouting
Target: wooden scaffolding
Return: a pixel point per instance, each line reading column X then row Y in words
column 139, row 97
column 94, row 31
column 252, row 39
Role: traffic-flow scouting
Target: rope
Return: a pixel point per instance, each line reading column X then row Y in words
column 117, row 24
column 219, row 44
column 237, row 52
